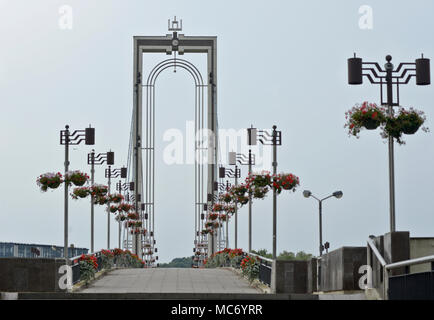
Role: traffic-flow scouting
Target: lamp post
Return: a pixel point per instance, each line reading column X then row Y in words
column 388, row 77
column 235, row 174
column 307, row 194
column 92, row 160
column 248, row 161
column 274, row 139
column 66, row 138
column 224, row 187
column 121, row 187
column 112, row 173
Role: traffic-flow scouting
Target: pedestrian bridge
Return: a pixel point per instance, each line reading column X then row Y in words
column 170, row 280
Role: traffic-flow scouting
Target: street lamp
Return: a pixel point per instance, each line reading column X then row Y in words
column 389, row 77
column 274, row 139
column 229, row 173
column 248, row 161
column 307, row 194
column 112, row 173
column 121, row 187
column 92, row 160
column 66, row 138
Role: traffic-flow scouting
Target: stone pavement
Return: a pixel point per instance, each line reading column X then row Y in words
column 171, row 280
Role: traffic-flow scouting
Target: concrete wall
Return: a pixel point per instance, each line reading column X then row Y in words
column 292, row 276
column 396, row 248
column 421, row 247
column 30, row 274
column 339, row 269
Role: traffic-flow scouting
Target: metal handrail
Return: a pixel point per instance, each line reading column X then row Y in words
column 409, row 262
column 261, row 257
column 390, row 266
column 376, row 252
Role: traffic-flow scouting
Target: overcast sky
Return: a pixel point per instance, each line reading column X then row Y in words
column 279, row 62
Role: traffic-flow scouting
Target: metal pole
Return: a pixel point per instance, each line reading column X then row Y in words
column 92, row 217
column 65, row 249
column 119, row 222
column 250, row 204
column 227, row 219
column 274, row 191
column 389, row 68
column 108, row 207
column 236, row 211
column 320, row 229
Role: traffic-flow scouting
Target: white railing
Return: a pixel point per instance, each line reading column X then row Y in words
column 388, row 267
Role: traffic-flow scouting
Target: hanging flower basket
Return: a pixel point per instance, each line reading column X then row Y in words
column 223, row 217
column 242, row 200
column 98, row 190
column 407, row 122
column 49, row 180
column 218, row 207
column 260, row 192
column 226, row 197
column 260, row 180
column 213, row 216
column 134, row 224
column 113, row 209
column 207, row 231
column 138, row 231
column 285, row 181
column 229, row 209
column 101, row 200
column 125, row 207
column 116, row 198
column 239, row 190
column 367, row 115
column 76, row 177
column 133, row 216
column 80, row 192
column 120, row 217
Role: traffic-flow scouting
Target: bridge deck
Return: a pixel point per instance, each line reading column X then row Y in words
column 171, row 280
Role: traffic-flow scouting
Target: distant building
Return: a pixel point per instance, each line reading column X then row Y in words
column 22, row 250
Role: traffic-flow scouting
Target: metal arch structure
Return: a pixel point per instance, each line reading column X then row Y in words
column 143, row 159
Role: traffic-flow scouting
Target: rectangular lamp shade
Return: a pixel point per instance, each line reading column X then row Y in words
column 355, row 71
column 110, row 158
column 222, row 172
column 423, row 76
column 232, row 158
column 89, row 136
column 252, row 136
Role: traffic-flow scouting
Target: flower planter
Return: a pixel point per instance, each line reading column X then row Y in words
column 78, row 178
column 116, row 198
column 80, row 193
column 213, row 216
column 410, row 128
column 226, row 197
column 367, row 115
column 49, row 180
column 371, row 124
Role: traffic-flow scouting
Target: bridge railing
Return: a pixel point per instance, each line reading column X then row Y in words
column 75, row 266
column 265, row 267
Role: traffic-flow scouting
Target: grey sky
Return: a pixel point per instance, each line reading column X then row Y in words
column 279, row 62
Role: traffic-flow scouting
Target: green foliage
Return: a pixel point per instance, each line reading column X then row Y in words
column 185, row 262
column 285, row 255
column 87, row 271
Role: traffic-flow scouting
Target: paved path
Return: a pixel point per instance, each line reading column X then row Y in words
column 170, row 280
